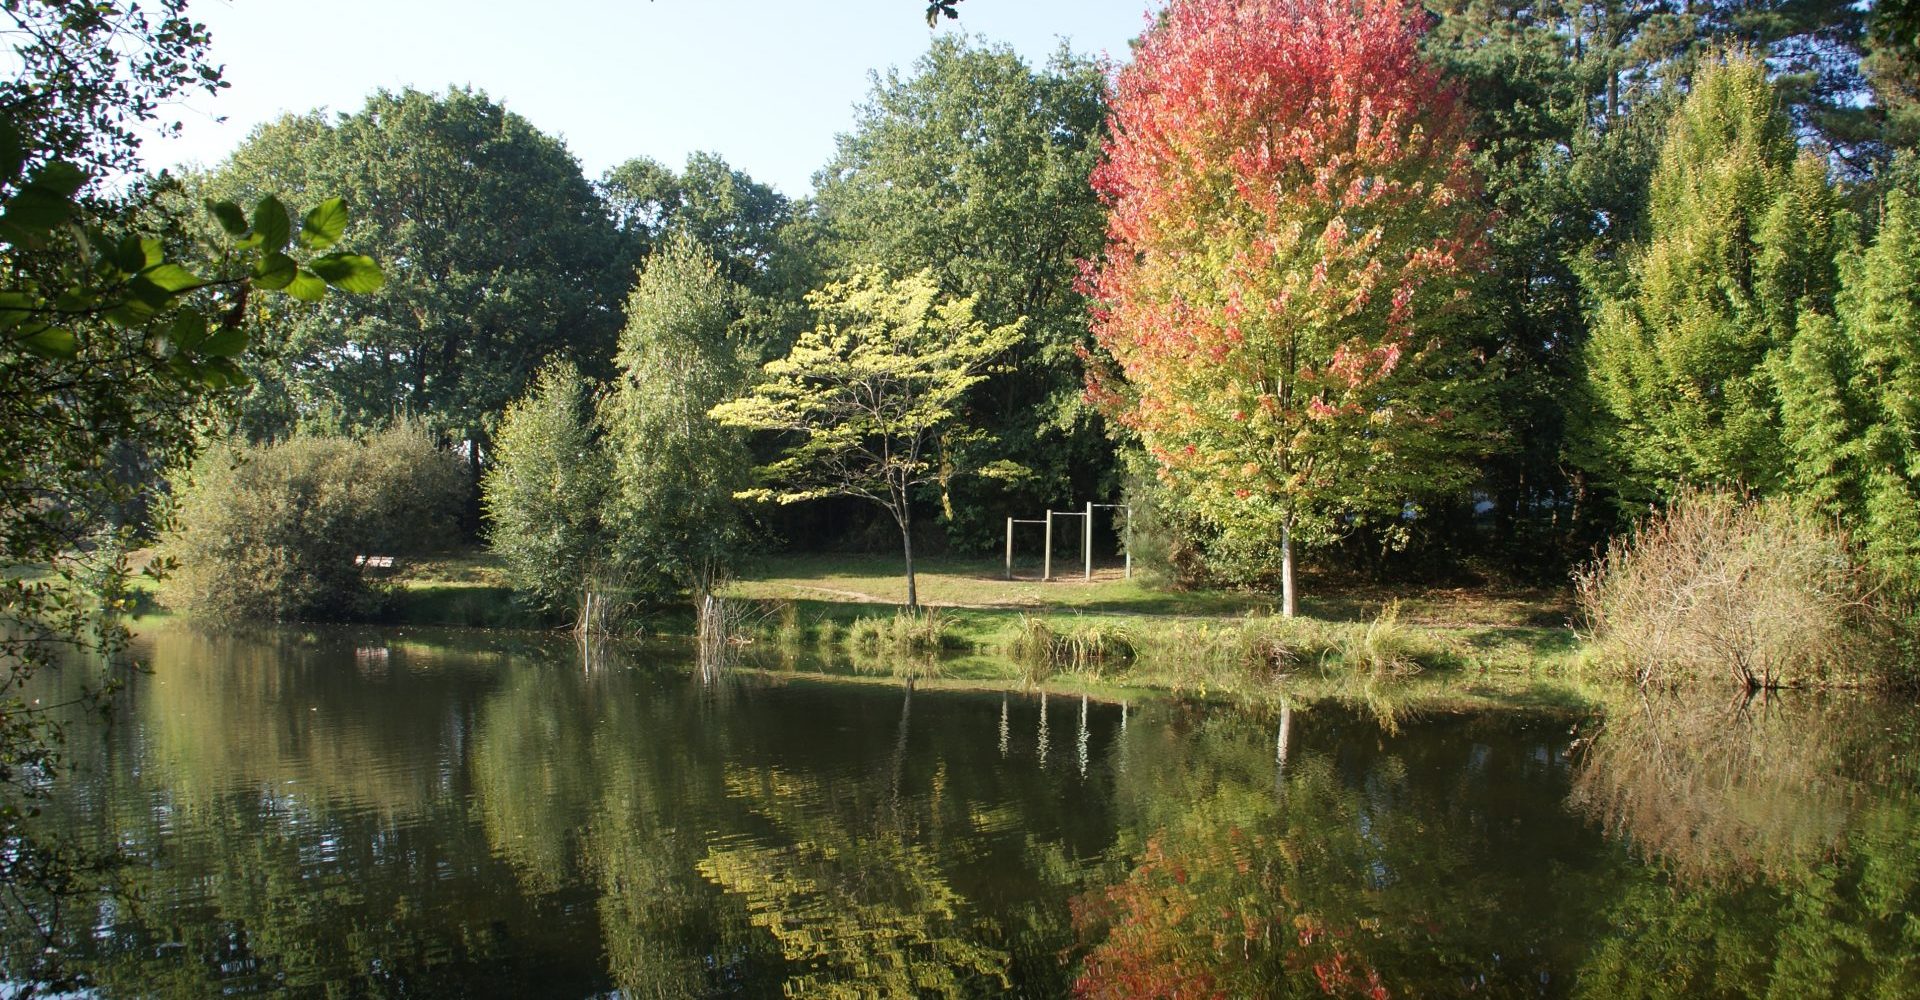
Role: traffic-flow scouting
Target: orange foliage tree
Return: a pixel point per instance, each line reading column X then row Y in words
column 1291, row 230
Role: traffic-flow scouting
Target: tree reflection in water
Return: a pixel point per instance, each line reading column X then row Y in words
column 1785, row 839
column 306, row 816
column 1256, row 861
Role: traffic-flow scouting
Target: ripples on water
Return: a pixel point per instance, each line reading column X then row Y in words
column 397, row 813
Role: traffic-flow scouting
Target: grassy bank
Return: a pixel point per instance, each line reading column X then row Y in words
column 1439, row 648
column 1436, row 648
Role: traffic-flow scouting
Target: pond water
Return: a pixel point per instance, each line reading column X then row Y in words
column 420, row 814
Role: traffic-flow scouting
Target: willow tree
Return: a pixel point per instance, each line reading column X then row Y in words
column 869, row 399
column 1290, row 192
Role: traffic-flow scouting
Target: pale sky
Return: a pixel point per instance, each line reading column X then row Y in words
column 765, row 84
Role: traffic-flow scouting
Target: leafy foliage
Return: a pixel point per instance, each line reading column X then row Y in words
column 1291, row 222
column 272, row 532
column 975, row 166
column 500, row 255
column 545, row 498
column 869, row 399
column 88, row 79
column 674, row 469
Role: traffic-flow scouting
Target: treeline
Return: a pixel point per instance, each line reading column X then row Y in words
column 1694, row 266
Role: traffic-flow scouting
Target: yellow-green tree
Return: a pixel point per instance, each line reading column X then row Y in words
column 868, row 400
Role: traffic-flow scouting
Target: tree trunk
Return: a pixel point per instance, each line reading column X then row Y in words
column 1286, row 568
column 906, row 544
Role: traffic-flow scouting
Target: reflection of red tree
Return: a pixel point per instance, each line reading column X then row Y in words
column 1212, row 922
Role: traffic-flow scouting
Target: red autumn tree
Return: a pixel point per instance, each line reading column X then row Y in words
column 1291, row 223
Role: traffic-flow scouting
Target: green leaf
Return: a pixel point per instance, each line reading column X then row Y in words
column 131, row 313
column 189, row 331
column 37, row 211
column 128, row 257
column 230, row 217
column 13, row 154
column 51, row 342
column 324, row 225
column 148, row 292
column 228, row 373
column 172, row 277
column 349, row 272
column 60, row 179
column 271, row 226
column 14, row 308
column 307, row 286
column 275, row 271
column 226, row 342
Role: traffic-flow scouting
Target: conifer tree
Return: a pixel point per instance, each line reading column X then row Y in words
column 1686, row 342
column 1881, row 308
column 1822, row 417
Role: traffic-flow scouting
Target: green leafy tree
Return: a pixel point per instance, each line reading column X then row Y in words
column 1565, row 170
column 736, row 218
column 975, row 166
column 545, row 497
column 1742, row 238
column 869, row 400
column 502, row 255
column 674, row 469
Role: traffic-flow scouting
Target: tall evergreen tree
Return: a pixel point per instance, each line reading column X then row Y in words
column 1740, row 242
column 1822, row 416
column 1881, row 308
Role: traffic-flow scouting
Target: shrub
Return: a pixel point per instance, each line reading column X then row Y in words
column 1716, row 586
column 270, row 532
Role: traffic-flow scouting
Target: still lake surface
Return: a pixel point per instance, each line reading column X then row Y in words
column 405, row 813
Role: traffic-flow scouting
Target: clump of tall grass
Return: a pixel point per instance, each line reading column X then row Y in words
column 826, row 633
column 1086, row 646
column 928, row 631
column 1718, row 586
column 787, row 629
column 1385, row 648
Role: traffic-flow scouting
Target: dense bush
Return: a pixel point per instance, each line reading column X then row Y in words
column 1716, row 586
column 270, row 532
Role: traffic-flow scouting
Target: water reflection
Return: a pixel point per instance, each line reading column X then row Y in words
column 1788, row 835
column 1374, row 867
column 357, row 813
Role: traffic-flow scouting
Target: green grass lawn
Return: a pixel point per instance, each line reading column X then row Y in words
column 963, row 584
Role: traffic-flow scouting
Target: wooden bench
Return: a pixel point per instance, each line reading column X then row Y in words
column 373, row 562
